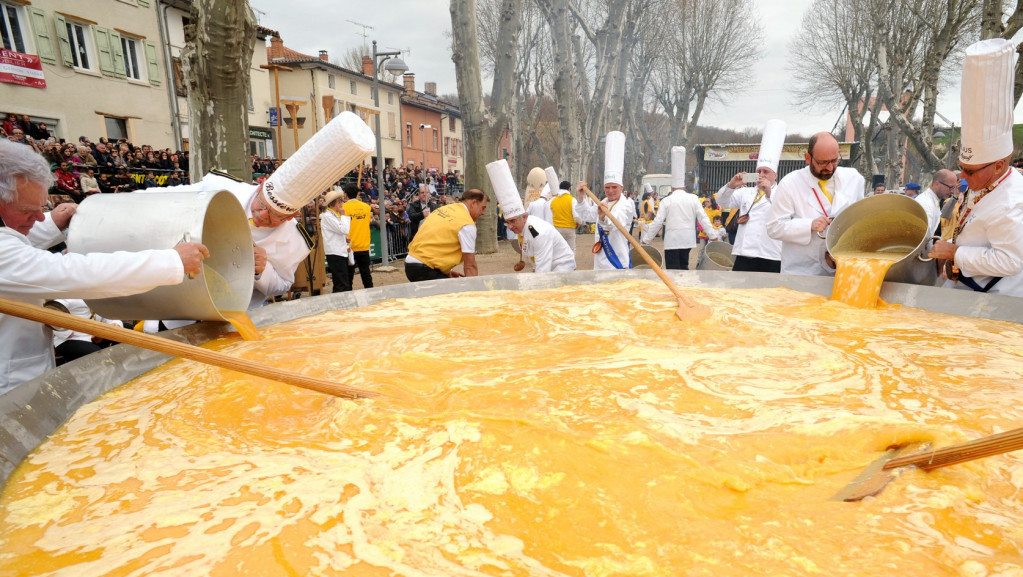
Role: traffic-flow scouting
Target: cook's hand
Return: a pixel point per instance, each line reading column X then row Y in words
column 62, row 214
column 763, row 183
column 943, row 250
column 736, row 182
column 455, row 274
column 820, row 224
column 192, row 255
column 259, row 255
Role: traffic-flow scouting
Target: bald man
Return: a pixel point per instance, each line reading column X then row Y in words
column 945, row 182
column 806, row 201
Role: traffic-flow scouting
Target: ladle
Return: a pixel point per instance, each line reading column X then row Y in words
column 688, row 309
column 186, row 351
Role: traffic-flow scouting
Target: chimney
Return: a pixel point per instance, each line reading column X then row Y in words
column 430, row 88
column 323, row 55
column 367, row 66
column 410, row 83
column 276, row 48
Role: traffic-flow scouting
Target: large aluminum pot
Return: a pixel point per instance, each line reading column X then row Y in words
column 30, row 412
column 112, row 222
column 887, row 223
column 717, row 255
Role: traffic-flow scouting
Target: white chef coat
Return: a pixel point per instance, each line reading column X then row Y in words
column 679, row 213
column 991, row 243
column 929, row 201
column 33, row 275
column 625, row 211
column 548, row 250
column 541, row 208
column 79, row 308
column 794, row 205
column 751, row 240
column 335, row 232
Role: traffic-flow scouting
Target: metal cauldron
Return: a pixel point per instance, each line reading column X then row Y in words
column 887, row 223
column 717, row 255
column 158, row 220
column 30, row 412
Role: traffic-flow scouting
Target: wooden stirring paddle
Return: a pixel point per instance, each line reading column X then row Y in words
column 688, row 309
column 882, row 471
column 186, row 351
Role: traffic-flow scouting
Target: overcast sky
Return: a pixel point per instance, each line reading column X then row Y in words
column 420, row 26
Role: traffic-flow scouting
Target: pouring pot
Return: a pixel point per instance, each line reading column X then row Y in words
column 887, row 223
column 159, row 220
column 717, row 255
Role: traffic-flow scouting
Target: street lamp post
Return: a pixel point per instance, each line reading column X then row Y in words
column 422, row 135
column 396, row 66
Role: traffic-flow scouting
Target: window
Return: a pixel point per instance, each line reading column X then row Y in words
column 355, row 87
column 130, row 49
column 447, row 145
column 390, row 98
column 77, row 36
column 436, row 141
column 391, row 125
column 116, row 128
column 451, row 124
column 408, row 134
column 11, row 26
column 331, row 81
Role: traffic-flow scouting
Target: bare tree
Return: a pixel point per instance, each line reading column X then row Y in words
column 215, row 61
column 916, row 39
column 704, row 58
column 484, row 125
column 834, row 62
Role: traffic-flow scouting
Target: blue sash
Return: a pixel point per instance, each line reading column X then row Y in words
column 609, row 251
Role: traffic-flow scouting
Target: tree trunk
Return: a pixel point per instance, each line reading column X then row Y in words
column 215, row 61
column 483, row 128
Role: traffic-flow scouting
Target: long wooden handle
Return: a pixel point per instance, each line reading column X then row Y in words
column 639, row 248
column 979, row 448
column 184, row 350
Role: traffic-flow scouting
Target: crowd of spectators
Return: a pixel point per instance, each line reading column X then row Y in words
column 104, row 166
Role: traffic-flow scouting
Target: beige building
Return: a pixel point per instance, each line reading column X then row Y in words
column 454, row 151
column 99, row 71
column 175, row 14
column 316, row 90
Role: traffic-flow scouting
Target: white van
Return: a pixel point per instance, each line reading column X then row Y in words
column 660, row 182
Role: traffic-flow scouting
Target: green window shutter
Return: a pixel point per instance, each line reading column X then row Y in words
column 152, row 54
column 106, row 57
column 63, row 41
column 118, row 53
column 143, row 3
column 44, row 44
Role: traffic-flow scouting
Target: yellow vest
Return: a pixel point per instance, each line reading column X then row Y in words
column 561, row 208
column 436, row 244
column 360, row 214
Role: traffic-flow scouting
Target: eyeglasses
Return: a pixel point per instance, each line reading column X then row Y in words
column 826, row 163
column 969, row 172
column 949, row 186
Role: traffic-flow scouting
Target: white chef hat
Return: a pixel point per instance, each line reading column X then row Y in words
column 614, row 158
column 771, row 144
column 678, row 167
column 987, row 102
column 505, row 189
column 552, row 178
column 334, row 150
column 535, row 178
column 545, row 192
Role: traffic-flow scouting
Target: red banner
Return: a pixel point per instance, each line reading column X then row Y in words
column 23, row 69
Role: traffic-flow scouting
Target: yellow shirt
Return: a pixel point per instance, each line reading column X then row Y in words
column 360, row 214
column 561, row 209
column 436, row 244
